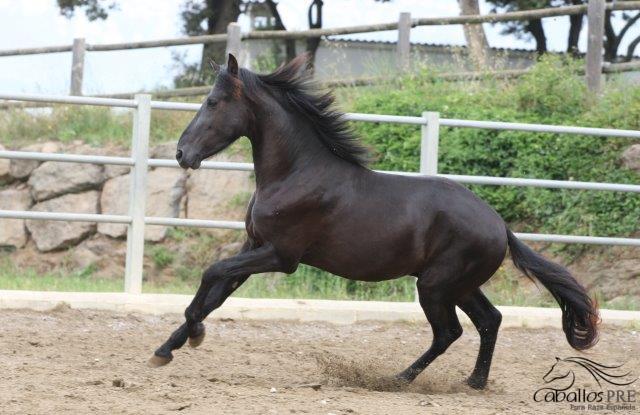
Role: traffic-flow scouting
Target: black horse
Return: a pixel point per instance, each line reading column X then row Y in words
column 316, row 203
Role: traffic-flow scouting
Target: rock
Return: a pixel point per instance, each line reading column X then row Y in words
column 52, row 179
column 314, row 386
column 50, row 147
column 12, row 231
column 109, row 150
column 218, row 194
column 111, row 171
column 5, row 172
column 165, row 191
column 21, row 169
column 114, row 200
column 164, row 151
column 83, row 257
column 55, row 235
column 631, row 157
column 118, row 383
column 107, row 255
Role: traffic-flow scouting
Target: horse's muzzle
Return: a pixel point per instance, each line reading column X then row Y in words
column 186, row 162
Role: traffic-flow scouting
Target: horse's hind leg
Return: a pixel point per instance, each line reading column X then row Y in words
column 487, row 320
column 440, row 310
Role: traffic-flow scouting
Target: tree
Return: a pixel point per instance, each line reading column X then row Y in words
column 575, row 27
column 533, row 28
column 474, row 34
column 93, row 9
column 209, row 17
column 524, row 29
column 290, row 44
column 315, row 22
column 612, row 39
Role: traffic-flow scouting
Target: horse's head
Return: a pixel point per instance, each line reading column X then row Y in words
column 222, row 119
column 560, row 370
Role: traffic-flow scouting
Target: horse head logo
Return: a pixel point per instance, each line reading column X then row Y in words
column 567, row 368
column 560, row 370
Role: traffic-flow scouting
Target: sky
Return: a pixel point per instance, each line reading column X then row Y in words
column 34, row 23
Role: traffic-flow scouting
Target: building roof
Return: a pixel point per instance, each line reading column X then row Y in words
column 444, row 47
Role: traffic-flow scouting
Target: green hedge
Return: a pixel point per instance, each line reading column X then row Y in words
column 550, row 94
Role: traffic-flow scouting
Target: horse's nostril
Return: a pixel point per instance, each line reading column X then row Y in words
column 178, row 155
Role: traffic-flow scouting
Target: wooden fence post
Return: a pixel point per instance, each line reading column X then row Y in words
column 593, row 70
column 404, row 43
column 234, row 41
column 77, row 66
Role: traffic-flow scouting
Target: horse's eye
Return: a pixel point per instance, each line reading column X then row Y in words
column 211, row 103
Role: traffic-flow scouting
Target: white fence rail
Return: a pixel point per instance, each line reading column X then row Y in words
column 139, row 161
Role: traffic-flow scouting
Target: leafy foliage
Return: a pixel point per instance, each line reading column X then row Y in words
column 93, row 9
column 549, row 94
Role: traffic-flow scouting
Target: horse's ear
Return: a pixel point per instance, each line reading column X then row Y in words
column 232, row 65
column 214, row 66
column 301, row 64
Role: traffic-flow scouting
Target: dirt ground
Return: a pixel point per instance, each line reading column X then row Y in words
column 69, row 361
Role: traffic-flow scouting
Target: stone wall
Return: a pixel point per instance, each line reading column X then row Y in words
column 85, row 188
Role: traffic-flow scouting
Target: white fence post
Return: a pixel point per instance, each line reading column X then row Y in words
column 429, row 142
column 403, row 48
column 138, row 194
column 77, row 66
column 234, row 42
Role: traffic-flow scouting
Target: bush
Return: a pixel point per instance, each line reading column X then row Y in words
column 550, row 94
column 162, row 256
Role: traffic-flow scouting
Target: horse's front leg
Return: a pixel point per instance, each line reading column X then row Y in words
column 218, row 282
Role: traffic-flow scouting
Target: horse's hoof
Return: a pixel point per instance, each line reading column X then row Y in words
column 404, row 378
column 158, row 361
column 477, row 383
column 196, row 341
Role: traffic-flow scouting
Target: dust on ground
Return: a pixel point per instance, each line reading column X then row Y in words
column 70, row 361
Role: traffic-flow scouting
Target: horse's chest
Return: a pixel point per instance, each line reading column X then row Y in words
column 268, row 217
column 277, row 218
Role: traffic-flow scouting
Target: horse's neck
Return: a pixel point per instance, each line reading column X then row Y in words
column 284, row 144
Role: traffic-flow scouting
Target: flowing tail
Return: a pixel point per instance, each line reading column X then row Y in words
column 579, row 312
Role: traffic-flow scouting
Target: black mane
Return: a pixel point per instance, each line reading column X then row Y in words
column 298, row 92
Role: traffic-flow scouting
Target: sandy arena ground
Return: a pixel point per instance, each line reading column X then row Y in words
column 80, row 362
